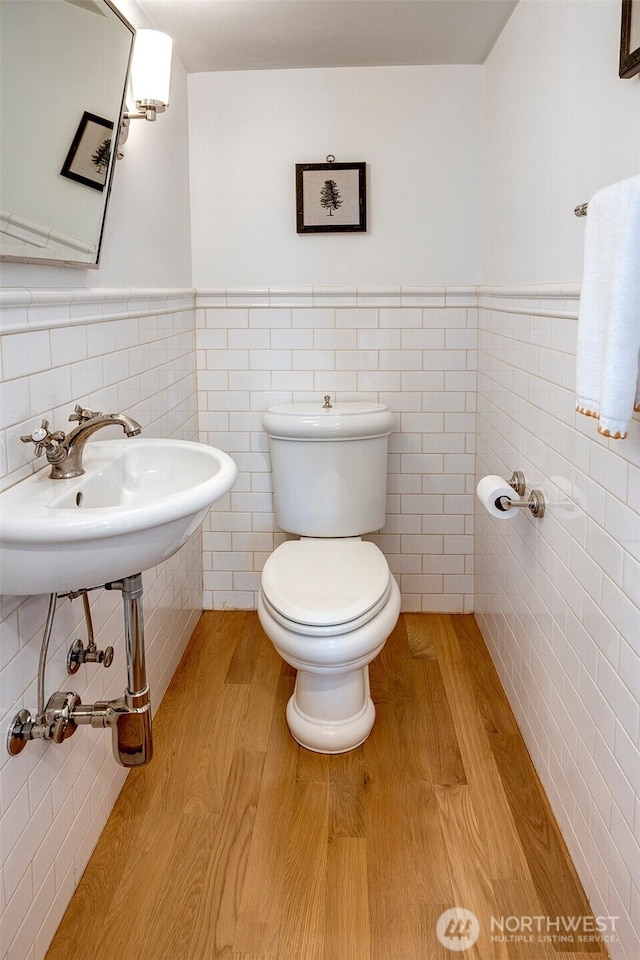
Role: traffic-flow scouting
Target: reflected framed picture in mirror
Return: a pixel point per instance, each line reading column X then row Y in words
column 630, row 39
column 90, row 152
column 64, row 75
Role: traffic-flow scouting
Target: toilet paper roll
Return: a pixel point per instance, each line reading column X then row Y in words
column 489, row 490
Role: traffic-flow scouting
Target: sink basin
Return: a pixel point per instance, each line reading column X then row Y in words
column 138, row 501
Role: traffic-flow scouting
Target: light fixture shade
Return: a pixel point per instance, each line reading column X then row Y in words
column 151, row 67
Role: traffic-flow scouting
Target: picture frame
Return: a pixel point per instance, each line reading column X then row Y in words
column 89, row 156
column 630, row 39
column 331, row 197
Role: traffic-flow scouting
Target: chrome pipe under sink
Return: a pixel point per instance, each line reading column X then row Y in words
column 129, row 716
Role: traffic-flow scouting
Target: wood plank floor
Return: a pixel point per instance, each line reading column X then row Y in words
column 236, row 844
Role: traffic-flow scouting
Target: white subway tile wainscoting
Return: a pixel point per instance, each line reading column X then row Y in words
column 557, row 599
column 117, row 351
column 414, row 350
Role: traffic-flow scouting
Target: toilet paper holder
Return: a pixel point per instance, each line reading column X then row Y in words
column 535, row 503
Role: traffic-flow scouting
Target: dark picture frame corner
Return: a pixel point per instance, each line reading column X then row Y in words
column 630, row 39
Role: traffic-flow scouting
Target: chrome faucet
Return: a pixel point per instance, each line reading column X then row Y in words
column 64, row 451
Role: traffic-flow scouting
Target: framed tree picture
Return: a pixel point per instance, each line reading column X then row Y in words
column 331, row 197
column 630, row 39
column 90, row 152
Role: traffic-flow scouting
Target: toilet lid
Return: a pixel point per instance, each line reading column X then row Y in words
column 325, row 582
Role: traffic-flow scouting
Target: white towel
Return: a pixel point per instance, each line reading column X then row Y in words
column 607, row 382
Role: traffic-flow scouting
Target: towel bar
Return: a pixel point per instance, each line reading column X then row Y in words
column 581, row 210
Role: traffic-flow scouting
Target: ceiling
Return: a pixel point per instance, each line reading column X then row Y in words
column 281, row 34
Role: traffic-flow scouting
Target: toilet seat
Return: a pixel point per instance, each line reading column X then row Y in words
column 325, row 587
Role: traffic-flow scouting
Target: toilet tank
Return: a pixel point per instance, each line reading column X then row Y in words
column 329, row 467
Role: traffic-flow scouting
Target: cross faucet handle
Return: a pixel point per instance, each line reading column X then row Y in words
column 42, row 439
column 82, row 414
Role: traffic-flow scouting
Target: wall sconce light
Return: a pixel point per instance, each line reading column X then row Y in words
column 150, row 78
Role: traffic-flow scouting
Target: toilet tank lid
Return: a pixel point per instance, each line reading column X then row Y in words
column 343, row 421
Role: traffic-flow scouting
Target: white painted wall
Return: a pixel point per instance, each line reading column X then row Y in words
column 147, row 237
column 418, row 130
column 558, row 124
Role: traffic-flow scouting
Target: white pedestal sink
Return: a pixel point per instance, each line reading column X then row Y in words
column 137, row 503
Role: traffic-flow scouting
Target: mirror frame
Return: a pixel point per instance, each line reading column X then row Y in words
column 94, row 263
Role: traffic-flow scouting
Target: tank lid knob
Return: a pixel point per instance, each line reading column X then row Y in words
column 327, row 405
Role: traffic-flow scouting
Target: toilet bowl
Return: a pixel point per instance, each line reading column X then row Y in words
column 328, row 606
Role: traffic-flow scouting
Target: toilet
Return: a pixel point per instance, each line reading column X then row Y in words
column 328, row 600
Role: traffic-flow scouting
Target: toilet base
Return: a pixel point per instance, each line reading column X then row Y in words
column 331, row 714
column 331, row 710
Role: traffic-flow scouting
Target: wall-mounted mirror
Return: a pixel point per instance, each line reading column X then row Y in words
column 63, row 71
